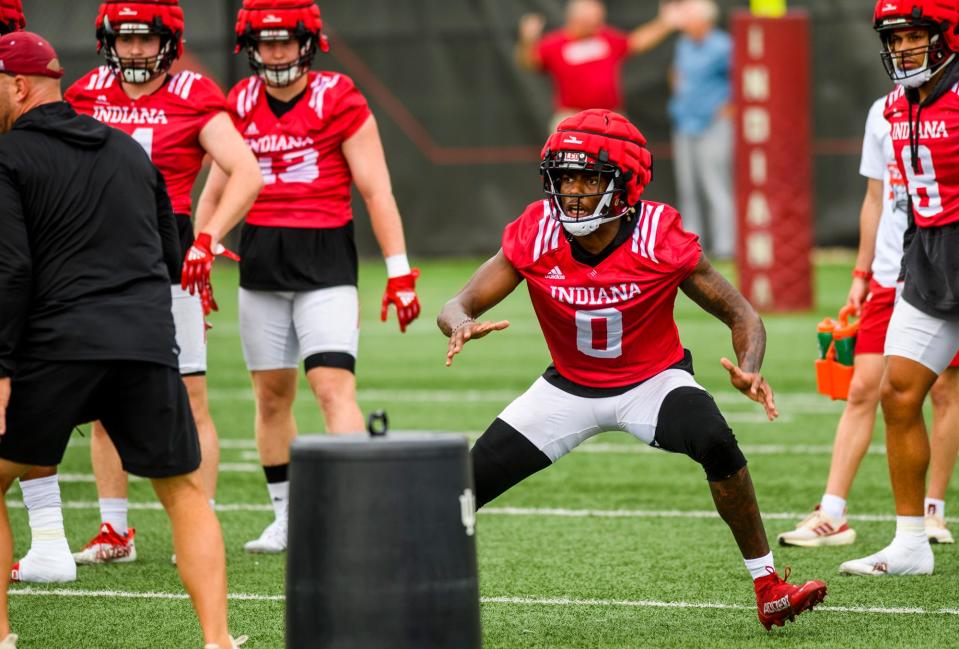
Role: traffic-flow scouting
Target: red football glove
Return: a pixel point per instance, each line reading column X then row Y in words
column 206, row 300
column 401, row 293
column 198, row 263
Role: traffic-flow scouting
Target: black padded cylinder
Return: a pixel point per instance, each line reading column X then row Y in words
column 382, row 552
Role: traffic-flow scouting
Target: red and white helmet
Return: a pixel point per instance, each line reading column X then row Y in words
column 939, row 17
column 280, row 20
column 163, row 18
column 11, row 16
column 607, row 144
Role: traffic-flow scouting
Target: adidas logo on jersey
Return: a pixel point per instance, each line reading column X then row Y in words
column 556, row 273
column 252, row 130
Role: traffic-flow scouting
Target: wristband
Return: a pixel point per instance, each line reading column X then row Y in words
column 461, row 325
column 859, row 273
column 397, row 266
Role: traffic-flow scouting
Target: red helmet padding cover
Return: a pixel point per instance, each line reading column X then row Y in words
column 168, row 12
column 944, row 13
column 11, row 12
column 258, row 15
column 594, row 131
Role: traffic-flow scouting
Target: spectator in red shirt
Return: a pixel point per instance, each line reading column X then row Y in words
column 585, row 56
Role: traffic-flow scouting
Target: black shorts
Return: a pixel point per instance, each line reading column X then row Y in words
column 143, row 406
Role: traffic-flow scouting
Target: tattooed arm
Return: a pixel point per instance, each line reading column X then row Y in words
column 710, row 290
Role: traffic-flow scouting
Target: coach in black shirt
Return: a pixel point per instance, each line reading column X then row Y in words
column 88, row 245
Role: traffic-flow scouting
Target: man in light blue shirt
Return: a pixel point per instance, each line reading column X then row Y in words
column 701, row 113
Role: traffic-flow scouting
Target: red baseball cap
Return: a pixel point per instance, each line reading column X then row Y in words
column 30, row 55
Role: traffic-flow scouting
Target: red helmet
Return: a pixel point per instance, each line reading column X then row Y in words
column 11, row 16
column 163, row 18
column 280, row 20
column 603, row 142
column 939, row 17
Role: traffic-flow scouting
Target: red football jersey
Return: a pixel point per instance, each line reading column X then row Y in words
column 167, row 123
column 934, row 187
column 586, row 71
column 611, row 325
column 307, row 181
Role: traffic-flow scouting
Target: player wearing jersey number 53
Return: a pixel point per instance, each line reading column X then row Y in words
column 314, row 136
column 603, row 269
column 178, row 120
column 920, row 46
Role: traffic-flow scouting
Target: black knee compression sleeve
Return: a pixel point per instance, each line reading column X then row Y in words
column 502, row 457
column 690, row 423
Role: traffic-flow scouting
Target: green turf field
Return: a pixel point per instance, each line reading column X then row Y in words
column 614, row 547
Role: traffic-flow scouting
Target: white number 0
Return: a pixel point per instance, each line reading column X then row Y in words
column 614, row 333
column 923, row 185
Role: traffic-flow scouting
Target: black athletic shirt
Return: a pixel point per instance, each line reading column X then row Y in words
column 88, row 244
column 296, row 259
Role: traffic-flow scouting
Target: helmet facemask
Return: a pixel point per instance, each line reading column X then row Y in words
column 139, row 70
column 936, row 55
column 283, row 74
column 576, row 217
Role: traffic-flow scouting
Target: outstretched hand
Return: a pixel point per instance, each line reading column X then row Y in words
column 753, row 385
column 470, row 330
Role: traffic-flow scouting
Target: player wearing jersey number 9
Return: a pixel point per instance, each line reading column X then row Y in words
column 603, row 269
column 919, row 50
column 314, row 136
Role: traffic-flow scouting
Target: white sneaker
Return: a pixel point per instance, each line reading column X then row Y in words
column 818, row 530
column 271, row 541
column 10, row 642
column 892, row 561
column 936, row 530
column 49, row 565
column 235, row 642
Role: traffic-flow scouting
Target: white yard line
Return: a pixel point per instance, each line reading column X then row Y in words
column 540, row 512
column 518, row 601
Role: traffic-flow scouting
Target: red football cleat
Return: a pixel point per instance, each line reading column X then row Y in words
column 779, row 601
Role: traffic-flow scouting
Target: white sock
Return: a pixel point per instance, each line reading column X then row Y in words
column 910, row 533
column 935, row 507
column 760, row 567
column 44, row 509
column 833, row 506
column 280, row 496
column 114, row 512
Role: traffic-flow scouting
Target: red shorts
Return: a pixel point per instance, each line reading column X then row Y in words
column 874, row 321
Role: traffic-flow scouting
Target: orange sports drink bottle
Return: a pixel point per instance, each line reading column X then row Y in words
column 837, row 343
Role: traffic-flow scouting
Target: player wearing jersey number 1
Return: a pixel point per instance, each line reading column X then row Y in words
column 920, row 45
column 178, row 120
column 603, row 268
column 314, row 136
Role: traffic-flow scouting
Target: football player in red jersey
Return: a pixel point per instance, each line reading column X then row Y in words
column 314, row 136
column 603, row 268
column 11, row 16
column 178, row 119
column 920, row 46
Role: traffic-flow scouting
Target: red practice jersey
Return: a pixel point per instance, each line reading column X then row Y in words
column 167, row 123
column 307, row 181
column 586, row 71
column 934, row 181
column 612, row 325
